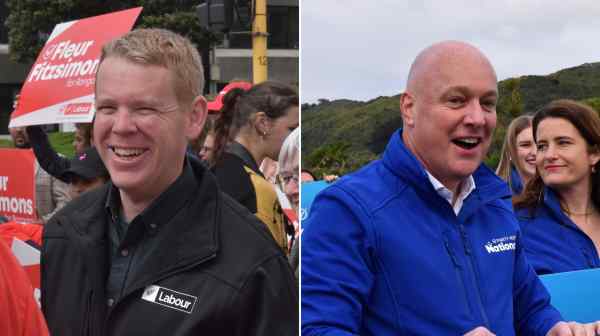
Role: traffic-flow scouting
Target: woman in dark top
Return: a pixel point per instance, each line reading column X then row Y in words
column 49, row 159
column 252, row 125
column 559, row 209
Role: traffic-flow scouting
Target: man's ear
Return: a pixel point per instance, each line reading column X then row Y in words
column 407, row 103
column 197, row 118
column 262, row 123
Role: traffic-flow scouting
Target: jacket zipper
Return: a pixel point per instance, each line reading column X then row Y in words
column 458, row 275
column 88, row 326
column 470, row 262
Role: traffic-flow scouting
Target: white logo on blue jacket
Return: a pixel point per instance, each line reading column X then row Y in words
column 503, row 244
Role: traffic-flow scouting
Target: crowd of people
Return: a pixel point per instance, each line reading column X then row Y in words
column 169, row 220
column 549, row 160
column 558, row 209
column 154, row 233
column 425, row 241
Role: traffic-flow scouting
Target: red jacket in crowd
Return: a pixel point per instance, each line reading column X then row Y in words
column 24, row 232
column 19, row 312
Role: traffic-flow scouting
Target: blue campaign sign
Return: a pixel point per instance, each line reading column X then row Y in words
column 575, row 294
column 308, row 191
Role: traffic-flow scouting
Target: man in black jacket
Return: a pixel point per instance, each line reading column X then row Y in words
column 160, row 250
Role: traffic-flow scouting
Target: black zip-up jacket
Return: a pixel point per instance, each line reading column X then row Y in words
column 211, row 269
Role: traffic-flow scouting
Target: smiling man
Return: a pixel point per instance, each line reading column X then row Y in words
column 424, row 241
column 160, row 250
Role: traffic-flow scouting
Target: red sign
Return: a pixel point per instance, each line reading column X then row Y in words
column 17, row 185
column 287, row 208
column 81, row 108
column 29, row 258
column 60, row 85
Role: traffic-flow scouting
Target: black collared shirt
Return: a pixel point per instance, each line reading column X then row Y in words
column 130, row 242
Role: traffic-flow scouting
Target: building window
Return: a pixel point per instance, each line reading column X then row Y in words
column 3, row 28
column 282, row 25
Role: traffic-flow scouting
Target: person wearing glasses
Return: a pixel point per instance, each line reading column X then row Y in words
column 207, row 151
column 288, row 176
column 289, row 166
column 251, row 127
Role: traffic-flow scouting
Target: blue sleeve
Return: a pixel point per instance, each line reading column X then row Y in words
column 533, row 313
column 337, row 274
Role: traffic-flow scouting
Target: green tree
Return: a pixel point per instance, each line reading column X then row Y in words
column 332, row 158
column 515, row 108
column 31, row 21
column 593, row 103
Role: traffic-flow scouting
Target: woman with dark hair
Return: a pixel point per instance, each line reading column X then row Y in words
column 252, row 126
column 55, row 164
column 559, row 209
column 517, row 159
column 307, row 176
column 83, row 137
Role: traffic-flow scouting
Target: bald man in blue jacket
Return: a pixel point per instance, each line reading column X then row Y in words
column 425, row 241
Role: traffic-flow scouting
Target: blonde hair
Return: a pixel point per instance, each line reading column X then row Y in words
column 163, row 48
column 508, row 156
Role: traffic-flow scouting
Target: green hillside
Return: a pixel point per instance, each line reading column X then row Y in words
column 342, row 135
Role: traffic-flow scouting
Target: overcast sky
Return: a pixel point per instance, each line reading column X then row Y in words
column 363, row 49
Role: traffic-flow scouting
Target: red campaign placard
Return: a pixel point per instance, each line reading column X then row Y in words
column 60, row 85
column 286, row 206
column 17, row 185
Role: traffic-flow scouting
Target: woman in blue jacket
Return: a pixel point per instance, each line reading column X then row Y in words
column 559, row 210
column 517, row 159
